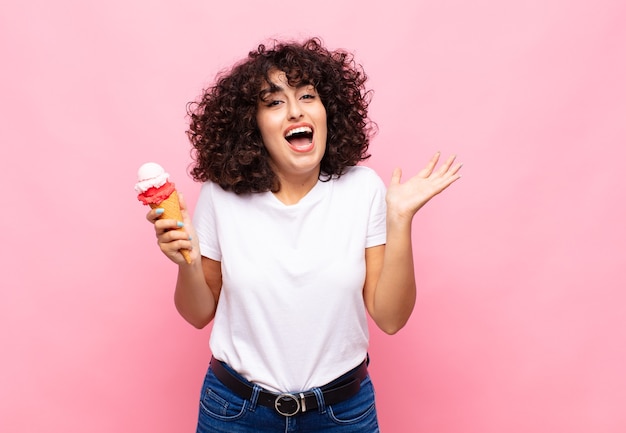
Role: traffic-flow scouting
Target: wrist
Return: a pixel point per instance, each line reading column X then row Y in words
column 399, row 217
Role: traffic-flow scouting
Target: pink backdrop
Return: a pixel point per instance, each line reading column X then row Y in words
column 520, row 318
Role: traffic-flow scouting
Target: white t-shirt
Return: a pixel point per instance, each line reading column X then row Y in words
column 291, row 314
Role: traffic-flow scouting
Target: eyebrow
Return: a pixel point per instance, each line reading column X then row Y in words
column 270, row 90
column 275, row 88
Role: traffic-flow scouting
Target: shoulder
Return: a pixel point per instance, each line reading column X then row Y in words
column 211, row 196
column 362, row 175
column 223, row 202
column 211, row 190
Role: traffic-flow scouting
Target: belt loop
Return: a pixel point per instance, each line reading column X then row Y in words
column 321, row 404
column 254, row 399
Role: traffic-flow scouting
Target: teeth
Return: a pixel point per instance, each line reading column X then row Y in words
column 299, row 130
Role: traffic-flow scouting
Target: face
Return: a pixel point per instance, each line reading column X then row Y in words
column 292, row 121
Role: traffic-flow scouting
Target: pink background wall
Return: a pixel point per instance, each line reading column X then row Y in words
column 520, row 322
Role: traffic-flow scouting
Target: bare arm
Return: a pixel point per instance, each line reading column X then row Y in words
column 197, row 291
column 389, row 290
column 199, row 283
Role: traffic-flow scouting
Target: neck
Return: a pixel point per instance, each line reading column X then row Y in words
column 292, row 190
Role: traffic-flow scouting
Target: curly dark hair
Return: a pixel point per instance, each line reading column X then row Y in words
column 227, row 144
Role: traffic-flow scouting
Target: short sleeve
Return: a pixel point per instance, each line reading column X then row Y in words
column 205, row 222
column 377, row 228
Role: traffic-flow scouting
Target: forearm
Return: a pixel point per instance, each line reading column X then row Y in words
column 394, row 296
column 194, row 299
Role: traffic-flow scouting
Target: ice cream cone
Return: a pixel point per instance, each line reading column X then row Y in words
column 156, row 191
column 171, row 207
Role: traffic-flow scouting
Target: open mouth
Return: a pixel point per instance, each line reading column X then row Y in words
column 300, row 138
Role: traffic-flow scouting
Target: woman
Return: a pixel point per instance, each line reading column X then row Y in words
column 292, row 243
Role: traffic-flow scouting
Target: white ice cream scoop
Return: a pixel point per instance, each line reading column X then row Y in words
column 150, row 175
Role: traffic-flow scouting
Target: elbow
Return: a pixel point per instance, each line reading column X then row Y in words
column 198, row 324
column 391, row 329
column 391, row 322
column 196, row 319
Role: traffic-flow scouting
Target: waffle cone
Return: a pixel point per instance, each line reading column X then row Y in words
column 171, row 207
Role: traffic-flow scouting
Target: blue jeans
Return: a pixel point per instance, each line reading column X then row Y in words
column 222, row 411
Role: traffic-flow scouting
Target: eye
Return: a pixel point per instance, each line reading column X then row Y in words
column 273, row 103
column 308, row 96
column 307, row 92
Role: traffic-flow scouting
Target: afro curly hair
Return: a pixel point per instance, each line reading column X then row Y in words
column 227, row 144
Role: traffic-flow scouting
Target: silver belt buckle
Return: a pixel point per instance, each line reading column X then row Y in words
column 287, row 404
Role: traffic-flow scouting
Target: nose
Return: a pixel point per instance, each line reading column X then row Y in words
column 294, row 111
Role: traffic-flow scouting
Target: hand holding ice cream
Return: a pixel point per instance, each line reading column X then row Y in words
column 155, row 190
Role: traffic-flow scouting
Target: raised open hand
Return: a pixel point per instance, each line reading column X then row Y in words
column 405, row 199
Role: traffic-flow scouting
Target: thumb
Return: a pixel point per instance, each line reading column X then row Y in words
column 396, row 176
column 189, row 228
column 183, row 207
column 181, row 201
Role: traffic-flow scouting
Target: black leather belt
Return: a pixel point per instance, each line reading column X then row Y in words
column 290, row 404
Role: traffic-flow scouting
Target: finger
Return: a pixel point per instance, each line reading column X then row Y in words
column 174, row 244
column 182, row 202
column 187, row 219
column 183, row 210
column 446, row 182
column 428, row 170
column 169, row 232
column 154, row 214
column 446, row 166
column 173, row 249
column 396, row 176
column 456, row 169
column 167, row 225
